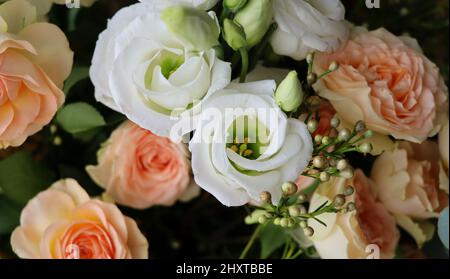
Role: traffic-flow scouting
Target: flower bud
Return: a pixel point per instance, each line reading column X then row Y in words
column 360, row 126
column 195, row 27
column 289, row 94
column 277, row 221
column 266, row 197
column 365, row 148
column 342, row 164
column 335, row 122
column 301, row 198
column 347, row 173
column 234, row 5
column 326, row 140
column 324, row 176
column 262, row 219
column 318, row 139
column 312, row 125
column 289, row 188
column 344, row 134
column 311, row 78
column 351, row 206
column 284, row 222
column 349, row 190
column 333, row 66
column 319, row 162
column 309, row 58
column 339, row 200
column 294, row 211
column 368, row 134
column 233, row 34
column 255, row 18
column 308, row 231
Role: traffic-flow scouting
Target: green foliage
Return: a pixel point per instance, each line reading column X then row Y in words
column 79, row 118
column 21, row 178
column 272, row 237
column 78, row 73
column 9, row 215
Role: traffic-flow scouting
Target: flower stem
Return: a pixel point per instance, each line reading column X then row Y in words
column 250, row 242
column 244, row 60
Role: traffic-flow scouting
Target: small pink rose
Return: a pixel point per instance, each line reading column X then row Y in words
column 140, row 169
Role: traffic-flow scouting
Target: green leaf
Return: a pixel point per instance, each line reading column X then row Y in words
column 79, row 117
column 21, row 178
column 9, row 215
column 272, row 237
column 77, row 74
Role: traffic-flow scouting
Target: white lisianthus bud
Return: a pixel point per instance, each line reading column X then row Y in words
column 234, row 5
column 233, row 34
column 255, row 18
column 289, row 94
column 196, row 27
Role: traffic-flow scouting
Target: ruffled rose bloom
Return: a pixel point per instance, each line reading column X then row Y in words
column 407, row 180
column 200, row 4
column 62, row 222
column 245, row 144
column 140, row 169
column 368, row 232
column 155, row 77
column 307, row 26
column 387, row 82
column 35, row 59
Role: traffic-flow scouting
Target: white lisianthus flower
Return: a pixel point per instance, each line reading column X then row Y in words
column 308, row 25
column 244, row 145
column 152, row 75
column 200, row 4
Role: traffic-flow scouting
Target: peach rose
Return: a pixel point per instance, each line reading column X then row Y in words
column 140, row 169
column 370, row 231
column 62, row 222
column 35, row 59
column 387, row 82
column 407, row 180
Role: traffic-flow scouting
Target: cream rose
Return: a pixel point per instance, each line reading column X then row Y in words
column 307, row 26
column 407, row 180
column 140, row 169
column 408, row 183
column 368, row 232
column 62, row 222
column 387, row 82
column 35, row 59
column 245, row 144
column 150, row 74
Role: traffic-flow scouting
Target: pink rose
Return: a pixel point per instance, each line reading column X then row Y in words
column 387, row 82
column 62, row 222
column 370, row 231
column 407, row 180
column 140, row 169
column 35, row 59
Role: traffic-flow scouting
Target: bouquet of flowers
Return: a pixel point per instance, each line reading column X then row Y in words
column 325, row 137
